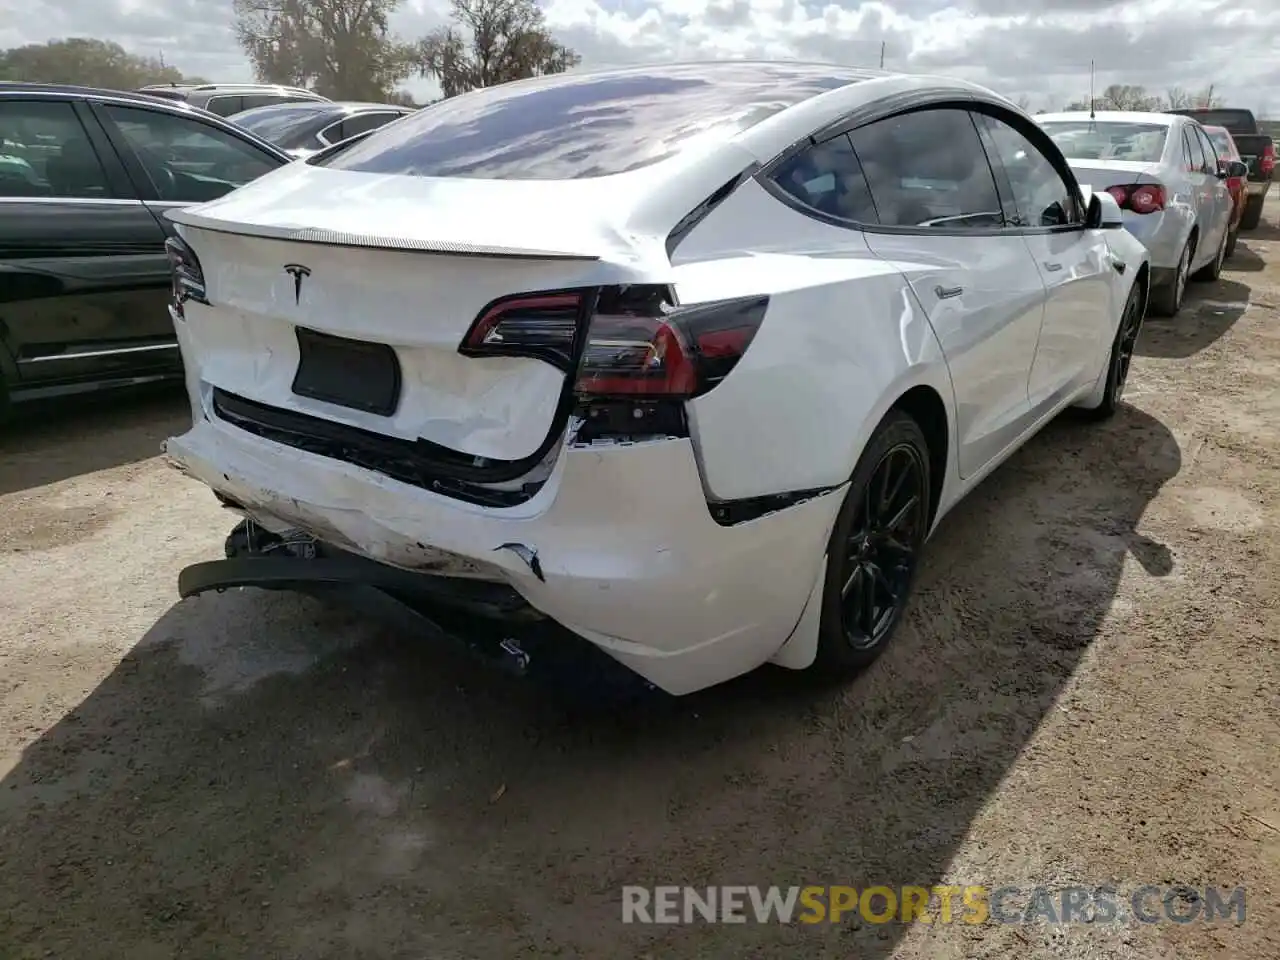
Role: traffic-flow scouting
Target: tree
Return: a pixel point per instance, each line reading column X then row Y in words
column 1206, row 100
column 1121, row 96
column 1177, row 99
column 88, row 62
column 490, row 42
column 342, row 49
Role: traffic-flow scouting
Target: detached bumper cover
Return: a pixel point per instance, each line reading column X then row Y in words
column 628, row 553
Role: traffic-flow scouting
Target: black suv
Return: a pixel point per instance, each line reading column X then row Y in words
column 85, row 178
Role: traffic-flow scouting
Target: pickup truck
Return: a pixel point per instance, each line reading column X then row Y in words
column 1257, row 150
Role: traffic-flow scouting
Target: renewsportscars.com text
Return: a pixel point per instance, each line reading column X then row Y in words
column 973, row 904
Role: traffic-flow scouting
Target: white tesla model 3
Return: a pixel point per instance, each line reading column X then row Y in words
column 689, row 358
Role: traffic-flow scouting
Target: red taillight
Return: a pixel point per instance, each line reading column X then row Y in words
column 669, row 352
column 543, row 325
column 185, row 274
column 1267, row 162
column 636, row 343
column 1139, row 197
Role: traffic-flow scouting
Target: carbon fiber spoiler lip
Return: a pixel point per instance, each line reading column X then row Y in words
column 340, row 238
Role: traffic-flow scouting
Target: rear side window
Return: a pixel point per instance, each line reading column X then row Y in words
column 45, row 152
column 828, row 178
column 929, row 169
column 353, row 126
column 593, row 125
column 225, row 106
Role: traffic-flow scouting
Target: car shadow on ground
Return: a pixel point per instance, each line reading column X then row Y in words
column 1210, row 310
column 45, row 444
column 1265, row 230
column 1245, row 259
column 265, row 775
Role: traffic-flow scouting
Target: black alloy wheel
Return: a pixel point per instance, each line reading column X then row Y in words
column 875, row 547
column 881, row 549
column 1121, row 360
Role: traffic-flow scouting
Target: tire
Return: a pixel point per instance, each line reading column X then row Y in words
column 1252, row 215
column 1166, row 300
column 1213, row 269
column 1232, row 237
column 1121, row 357
column 845, row 646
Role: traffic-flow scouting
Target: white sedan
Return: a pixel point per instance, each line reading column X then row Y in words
column 690, row 359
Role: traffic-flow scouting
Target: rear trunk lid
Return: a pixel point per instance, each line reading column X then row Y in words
column 1101, row 174
column 409, row 264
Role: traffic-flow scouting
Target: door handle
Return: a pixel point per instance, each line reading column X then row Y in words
column 946, row 293
column 1053, row 267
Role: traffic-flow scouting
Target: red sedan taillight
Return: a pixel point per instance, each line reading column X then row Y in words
column 1139, row 197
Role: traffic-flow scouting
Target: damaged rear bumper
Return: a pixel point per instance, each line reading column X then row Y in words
column 618, row 546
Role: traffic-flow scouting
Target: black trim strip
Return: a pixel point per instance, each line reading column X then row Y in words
column 729, row 513
column 416, row 462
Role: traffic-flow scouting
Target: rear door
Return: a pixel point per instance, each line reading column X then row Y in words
column 1203, row 178
column 1073, row 262
column 81, row 295
column 942, row 225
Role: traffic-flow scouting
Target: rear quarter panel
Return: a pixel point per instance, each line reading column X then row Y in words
column 843, row 339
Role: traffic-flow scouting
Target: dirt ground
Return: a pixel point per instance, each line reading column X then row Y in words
column 1086, row 692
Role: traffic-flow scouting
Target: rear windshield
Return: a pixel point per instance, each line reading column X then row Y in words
column 1108, row 139
column 282, row 124
column 573, row 126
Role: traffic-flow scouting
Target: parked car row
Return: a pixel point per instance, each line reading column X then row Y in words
column 1182, row 193
column 85, row 179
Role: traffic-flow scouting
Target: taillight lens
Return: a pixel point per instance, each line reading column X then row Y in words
column 1139, row 197
column 543, row 325
column 666, row 352
column 1267, row 162
column 627, row 341
column 186, row 275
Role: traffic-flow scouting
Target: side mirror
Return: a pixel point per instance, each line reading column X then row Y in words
column 1104, row 213
column 1237, row 168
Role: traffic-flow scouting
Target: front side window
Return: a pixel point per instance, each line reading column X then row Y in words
column 928, row 169
column 1223, row 144
column 45, row 152
column 188, row 161
column 828, row 178
column 1040, row 194
column 1108, row 139
column 1189, row 161
column 572, row 126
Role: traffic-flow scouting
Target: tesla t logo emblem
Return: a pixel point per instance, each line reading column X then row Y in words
column 297, row 271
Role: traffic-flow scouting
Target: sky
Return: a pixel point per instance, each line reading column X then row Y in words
column 1037, row 48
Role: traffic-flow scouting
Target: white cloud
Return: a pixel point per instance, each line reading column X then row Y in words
column 1041, row 49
